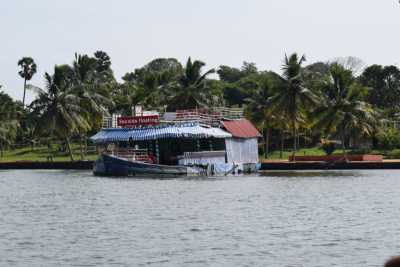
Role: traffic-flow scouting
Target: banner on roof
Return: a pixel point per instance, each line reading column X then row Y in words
column 132, row 122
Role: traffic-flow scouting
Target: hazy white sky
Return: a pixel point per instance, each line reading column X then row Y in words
column 218, row 32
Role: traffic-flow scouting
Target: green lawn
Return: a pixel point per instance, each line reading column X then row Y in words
column 41, row 154
column 307, row 151
column 315, row 151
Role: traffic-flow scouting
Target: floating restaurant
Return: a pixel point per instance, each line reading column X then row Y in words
column 197, row 144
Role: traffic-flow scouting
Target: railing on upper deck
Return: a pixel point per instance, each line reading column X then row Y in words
column 141, row 155
column 210, row 116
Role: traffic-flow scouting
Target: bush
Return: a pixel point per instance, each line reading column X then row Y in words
column 360, row 151
column 328, row 147
column 388, row 139
column 395, row 154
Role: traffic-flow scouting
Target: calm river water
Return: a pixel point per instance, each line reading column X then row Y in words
column 63, row 218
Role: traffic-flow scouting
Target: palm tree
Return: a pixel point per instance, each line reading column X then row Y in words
column 344, row 112
column 59, row 108
column 95, row 106
column 259, row 107
column 84, row 68
column 191, row 90
column 91, row 88
column 8, row 121
column 28, row 69
column 8, row 133
column 292, row 98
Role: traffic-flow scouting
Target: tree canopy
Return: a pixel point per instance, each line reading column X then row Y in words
column 339, row 99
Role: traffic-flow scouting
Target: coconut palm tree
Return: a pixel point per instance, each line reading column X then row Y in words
column 94, row 104
column 293, row 100
column 8, row 121
column 191, row 90
column 90, row 86
column 28, row 69
column 259, row 108
column 59, row 109
column 8, row 133
column 344, row 112
column 83, row 68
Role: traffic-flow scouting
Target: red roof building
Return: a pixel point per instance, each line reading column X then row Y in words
column 241, row 129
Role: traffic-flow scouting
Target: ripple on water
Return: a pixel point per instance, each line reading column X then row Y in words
column 53, row 218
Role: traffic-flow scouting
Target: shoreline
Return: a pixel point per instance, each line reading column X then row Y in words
column 38, row 165
column 278, row 165
column 319, row 165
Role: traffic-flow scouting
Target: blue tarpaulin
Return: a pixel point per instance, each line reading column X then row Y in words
column 191, row 130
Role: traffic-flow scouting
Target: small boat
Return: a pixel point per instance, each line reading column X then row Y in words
column 109, row 165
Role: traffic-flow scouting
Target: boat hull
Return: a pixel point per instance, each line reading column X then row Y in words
column 107, row 165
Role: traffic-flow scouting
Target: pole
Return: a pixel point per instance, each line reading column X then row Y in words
column 157, row 152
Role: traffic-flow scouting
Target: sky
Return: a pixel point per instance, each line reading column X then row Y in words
column 218, row 32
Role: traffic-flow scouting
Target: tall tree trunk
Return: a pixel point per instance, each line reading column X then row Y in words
column 294, row 140
column 50, row 156
column 344, row 147
column 69, row 149
column 282, row 140
column 81, row 147
column 23, row 99
column 86, row 146
column 267, row 140
column 298, row 139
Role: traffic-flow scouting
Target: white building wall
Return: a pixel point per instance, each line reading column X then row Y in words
column 242, row 150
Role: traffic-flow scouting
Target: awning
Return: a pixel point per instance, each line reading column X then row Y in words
column 161, row 132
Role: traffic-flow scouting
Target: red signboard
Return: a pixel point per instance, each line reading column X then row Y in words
column 132, row 122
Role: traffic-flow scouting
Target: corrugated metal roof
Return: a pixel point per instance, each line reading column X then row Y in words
column 159, row 132
column 241, row 128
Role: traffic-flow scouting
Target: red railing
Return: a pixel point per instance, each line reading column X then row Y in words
column 141, row 155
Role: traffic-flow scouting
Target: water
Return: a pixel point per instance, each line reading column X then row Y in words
column 60, row 218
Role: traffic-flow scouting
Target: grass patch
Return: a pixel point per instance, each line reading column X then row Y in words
column 316, row 151
column 41, row 154
column 275, row 155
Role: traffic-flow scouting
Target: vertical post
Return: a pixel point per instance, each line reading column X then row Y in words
column 211, row 144
column 157, row 152
column 198, row 144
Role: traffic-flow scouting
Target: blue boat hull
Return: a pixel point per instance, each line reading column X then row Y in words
column 107, row 165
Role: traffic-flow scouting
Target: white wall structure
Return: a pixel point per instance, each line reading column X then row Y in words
column 242, row 150
column 202, row 158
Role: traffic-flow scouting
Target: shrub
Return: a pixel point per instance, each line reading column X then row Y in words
column 328, row 147
column 395, row 154
column 360, row 151
column 389, row 139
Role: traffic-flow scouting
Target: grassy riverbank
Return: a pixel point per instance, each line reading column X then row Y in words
column 41, row 154
column 315, row 151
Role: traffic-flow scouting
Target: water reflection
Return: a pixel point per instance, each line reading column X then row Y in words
column 314, row 173
column 303, row 218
